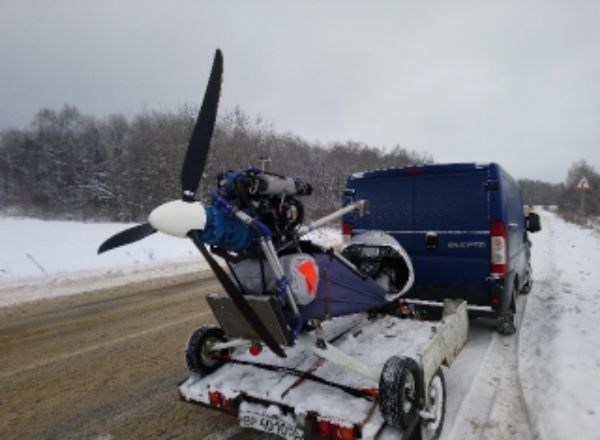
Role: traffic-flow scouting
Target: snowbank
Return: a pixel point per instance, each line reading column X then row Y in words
column 42, row 259
column 34, row 248
column 558, row 346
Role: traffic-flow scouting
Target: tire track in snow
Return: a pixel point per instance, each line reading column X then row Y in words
column 560, row 362
column 543, row 314
column 494, row 407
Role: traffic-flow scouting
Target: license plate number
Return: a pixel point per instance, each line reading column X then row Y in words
column 278, row 425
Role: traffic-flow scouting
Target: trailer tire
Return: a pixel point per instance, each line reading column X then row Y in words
column 432, row 429
column 400, row 391
column 197, row 356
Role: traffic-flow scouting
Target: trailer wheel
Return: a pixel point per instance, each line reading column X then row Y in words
column 399, row 391
column 197, row 352
column 432, row 428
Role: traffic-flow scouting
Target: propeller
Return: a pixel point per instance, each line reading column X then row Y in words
column 195, row 156
column 197, row 151
column 186, row 217
column 127, row 236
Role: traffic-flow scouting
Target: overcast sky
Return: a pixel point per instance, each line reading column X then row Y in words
column 517, row 82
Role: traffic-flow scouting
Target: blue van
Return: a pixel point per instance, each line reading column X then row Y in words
column 463, row 226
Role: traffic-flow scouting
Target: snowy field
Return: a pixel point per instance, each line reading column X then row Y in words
column 43, row 259
column 559, row 356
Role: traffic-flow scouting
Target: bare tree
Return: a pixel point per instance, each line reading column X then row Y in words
column 71, row 165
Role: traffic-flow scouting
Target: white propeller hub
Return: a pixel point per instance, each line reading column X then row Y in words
column 178, row 217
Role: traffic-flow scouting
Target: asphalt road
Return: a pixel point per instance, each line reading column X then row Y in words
column 106, row 365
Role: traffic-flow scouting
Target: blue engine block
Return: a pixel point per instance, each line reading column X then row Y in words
column 225, row 230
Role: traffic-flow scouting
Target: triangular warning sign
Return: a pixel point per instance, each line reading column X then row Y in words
column 584, row 184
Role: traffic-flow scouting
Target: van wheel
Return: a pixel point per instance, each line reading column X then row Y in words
column 527, row 287
column 400, row 391
column 198, row 355
column 506, row 324
column 529, row 284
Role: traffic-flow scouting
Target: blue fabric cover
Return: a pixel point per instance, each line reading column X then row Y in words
column 341, row 291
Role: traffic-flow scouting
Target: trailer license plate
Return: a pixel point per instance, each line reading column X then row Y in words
column 272, row 424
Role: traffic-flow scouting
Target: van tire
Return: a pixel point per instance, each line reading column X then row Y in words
column 506, row 324
column 526, row 288
column 400, row 392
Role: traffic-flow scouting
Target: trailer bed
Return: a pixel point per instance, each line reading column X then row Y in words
column 285, row 399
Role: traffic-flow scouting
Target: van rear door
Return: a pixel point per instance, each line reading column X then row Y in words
column 390, row 206
column 451, row 249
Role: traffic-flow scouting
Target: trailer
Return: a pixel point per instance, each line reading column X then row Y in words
column 361, row 376
column 340, row 362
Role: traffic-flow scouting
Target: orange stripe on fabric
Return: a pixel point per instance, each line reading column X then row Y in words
column 310, row 273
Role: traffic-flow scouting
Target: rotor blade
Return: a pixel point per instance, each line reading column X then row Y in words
column 238, row 299
column 197, row 150
column 127, row 236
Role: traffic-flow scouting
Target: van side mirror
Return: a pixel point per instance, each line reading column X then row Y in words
column 533, row 223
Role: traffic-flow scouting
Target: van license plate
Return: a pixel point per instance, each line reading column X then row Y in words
column 271, row 424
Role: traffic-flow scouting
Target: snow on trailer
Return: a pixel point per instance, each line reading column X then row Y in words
column 306, row 395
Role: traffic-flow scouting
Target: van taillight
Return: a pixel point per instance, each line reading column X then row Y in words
column 413, row 171
column 499, row 248
column 347, row 230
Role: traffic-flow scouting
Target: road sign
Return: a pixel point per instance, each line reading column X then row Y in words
column 584, row 184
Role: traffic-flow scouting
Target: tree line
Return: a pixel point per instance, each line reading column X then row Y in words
column 573, row 204
column 576, row 204
column 75, row 166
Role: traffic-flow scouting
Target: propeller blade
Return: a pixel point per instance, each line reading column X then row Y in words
column 238, row 298
column 197, row 150
column 127, row 236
